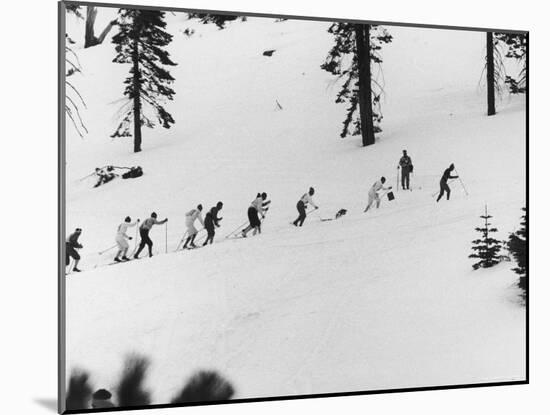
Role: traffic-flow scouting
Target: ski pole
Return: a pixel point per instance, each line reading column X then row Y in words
column 461, row 182
column 108, row 249
column 181, row 240
column 397, row 181
column 236, row 230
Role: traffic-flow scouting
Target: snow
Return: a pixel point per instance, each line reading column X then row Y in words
column 386, row 299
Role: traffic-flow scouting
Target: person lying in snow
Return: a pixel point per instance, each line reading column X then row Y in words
column 104, row 175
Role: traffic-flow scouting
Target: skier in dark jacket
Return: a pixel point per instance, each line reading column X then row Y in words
column 211, row 222
column 443, row 186
column 405, row 163
column 302, row 206
column 71, row 245
column 144, row 234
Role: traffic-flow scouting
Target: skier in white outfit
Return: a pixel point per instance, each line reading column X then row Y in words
column 190, row 218
column 122, row 239
column 373, row 192
column 302, row 206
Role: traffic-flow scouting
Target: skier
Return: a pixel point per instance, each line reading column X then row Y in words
column 443, row 186
column 406, row 168
column 258, row 206
column 71, row 245
column 144, row 229
column 373, row 193
column 190, row 218
column 211, row 222
column 122, row 239
column 302, row 206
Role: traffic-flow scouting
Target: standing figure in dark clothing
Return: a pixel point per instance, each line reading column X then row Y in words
column 406, row 165
column 144, row 234
column 71, row 245
column 443, row 186
column 211, row 222
column 302, row 206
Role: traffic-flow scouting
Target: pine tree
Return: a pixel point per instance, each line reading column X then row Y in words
column 130, row 390
column 140, row 42
column 357, row 47
column 486, row 248
column 516, row 48
column 79, row 391
column 205, row 386
column 517, row 244
column 219, row 20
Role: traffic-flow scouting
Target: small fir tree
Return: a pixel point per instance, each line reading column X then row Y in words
column 486, row 248
column 517, row 244
column 140, row 42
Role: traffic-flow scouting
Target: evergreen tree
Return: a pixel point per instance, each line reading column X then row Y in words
column 140, row 42
column 205, row 386
column 516, row 48
column 357, row 47
column 219, row 20
column 517, row 244
column 486, row 248
column 130, row 390
column 79, row 391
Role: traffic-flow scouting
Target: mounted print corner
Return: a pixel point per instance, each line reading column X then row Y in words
column 259, row 206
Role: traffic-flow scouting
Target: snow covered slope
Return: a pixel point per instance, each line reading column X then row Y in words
column 386, row 299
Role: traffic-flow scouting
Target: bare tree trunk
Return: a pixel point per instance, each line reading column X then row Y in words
column 362, row 40
column 105, row 32
column 137, row 84
column 490, row 75
column 89, row 38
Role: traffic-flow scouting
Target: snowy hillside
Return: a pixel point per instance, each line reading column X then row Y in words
column 386, row 299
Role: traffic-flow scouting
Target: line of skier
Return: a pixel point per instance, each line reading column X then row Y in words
column 256, row 213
